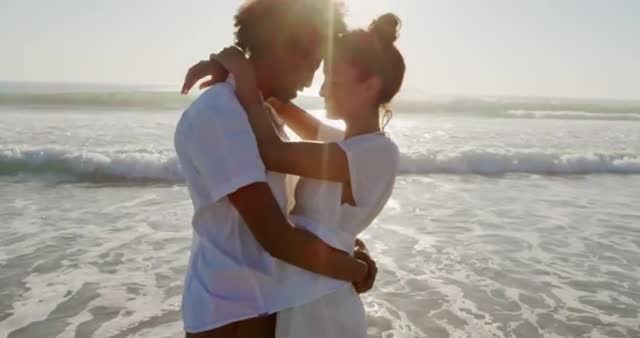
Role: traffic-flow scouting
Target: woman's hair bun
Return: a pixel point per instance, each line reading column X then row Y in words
column 386, row 28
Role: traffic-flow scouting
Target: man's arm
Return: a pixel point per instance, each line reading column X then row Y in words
column 224, row 152
column 362, row 253
column 280, row 239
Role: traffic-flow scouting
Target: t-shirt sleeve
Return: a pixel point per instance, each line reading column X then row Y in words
column 222, row 146
column 373, row 165
column 327, row 133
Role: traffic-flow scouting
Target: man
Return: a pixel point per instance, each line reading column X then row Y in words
column 239, row 220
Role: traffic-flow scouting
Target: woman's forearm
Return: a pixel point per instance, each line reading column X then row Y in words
column 261, row 122
column 300, row 121
column 326, row 161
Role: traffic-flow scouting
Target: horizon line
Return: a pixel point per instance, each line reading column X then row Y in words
column 404, row 94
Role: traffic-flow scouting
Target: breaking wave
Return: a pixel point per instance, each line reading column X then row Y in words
column 164, row 167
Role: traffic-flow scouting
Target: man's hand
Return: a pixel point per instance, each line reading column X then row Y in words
column 367, row 283
column 282, row 240
column 201, row 70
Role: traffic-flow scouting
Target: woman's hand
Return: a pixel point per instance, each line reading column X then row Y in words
column 201, row 70
column 234, row 61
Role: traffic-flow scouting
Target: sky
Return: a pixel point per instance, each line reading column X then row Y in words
column 558, row 48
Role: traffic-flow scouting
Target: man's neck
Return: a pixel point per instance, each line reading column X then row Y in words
column 262, row 78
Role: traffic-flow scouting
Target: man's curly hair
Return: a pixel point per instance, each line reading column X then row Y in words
column 260, row 21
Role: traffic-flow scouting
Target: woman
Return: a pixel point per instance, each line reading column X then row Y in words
column 346, row 178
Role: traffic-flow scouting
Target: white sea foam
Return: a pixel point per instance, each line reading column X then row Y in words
column 572, row 115
column 163, row 166
column 476, row 161
column 91, row 165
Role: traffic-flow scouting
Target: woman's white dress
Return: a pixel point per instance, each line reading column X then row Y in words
column 373, row 162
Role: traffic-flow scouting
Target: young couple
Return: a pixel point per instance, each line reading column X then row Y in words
column 263, row 263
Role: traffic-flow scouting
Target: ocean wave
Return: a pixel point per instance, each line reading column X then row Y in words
column 486, row 162
column 571, row 115
column 476, row 106
column 163, row 167
column 155, row 100
column 91, row 166
column 510, row 106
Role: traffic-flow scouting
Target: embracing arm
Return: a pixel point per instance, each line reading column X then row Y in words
column 299, row 120
column 293, row 245
column 325, row 161
column 319, row 160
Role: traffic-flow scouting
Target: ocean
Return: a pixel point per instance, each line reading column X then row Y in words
column 511, row 217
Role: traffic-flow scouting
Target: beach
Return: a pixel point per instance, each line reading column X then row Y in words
column 509, row 218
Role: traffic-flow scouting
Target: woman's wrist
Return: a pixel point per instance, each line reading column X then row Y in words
column 284, row 109
column 277, row 106
column 215, row 69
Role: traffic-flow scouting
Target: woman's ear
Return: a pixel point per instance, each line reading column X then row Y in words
column 373, row 87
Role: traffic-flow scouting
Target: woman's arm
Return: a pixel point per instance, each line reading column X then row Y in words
column 325, row 161
column 309, row 159
column 300, row 121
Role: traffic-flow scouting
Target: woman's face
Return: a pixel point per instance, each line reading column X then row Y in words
column 345, row 92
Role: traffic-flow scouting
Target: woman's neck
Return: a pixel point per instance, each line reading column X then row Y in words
column 362, row 126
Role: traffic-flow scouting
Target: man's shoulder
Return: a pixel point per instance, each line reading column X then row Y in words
column 218, row 102
column 217, row 109
column 219, row 95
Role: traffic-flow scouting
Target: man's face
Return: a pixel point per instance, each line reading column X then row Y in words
column 294, row 65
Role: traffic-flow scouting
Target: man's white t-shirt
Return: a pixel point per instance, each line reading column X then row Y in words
column 229, row 277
